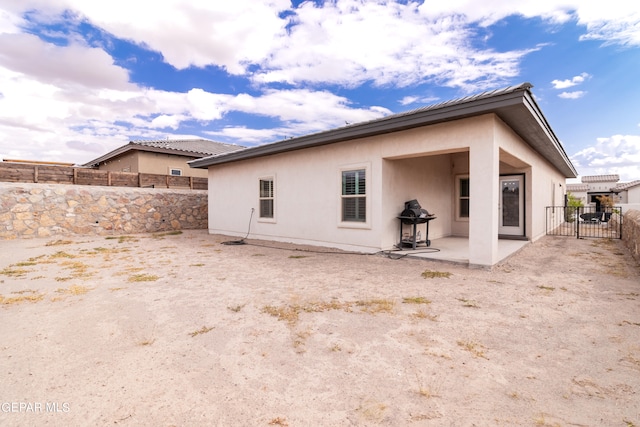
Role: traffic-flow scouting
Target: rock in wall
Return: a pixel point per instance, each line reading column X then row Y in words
column 42, row 210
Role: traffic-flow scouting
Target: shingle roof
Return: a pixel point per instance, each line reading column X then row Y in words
column 601, row 178
column 626, row 185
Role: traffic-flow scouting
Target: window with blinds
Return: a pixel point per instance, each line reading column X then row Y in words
column 463, row 198
column 266, row 198
column 354, row 199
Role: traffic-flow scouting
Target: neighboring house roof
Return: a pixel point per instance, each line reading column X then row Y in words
column 577, row 187
column 626, row 185
column 600, row 178
column 185, row 147
column 514, row 105
column 37, row 162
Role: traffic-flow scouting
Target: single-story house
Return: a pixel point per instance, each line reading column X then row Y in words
column 485, row 166
column 627, row 192
column 591, row 187
column 161, row 157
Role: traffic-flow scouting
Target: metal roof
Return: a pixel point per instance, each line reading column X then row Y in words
column 514, row 105
column 196, row 148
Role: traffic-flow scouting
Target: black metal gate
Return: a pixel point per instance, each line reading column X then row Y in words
column 584, row 222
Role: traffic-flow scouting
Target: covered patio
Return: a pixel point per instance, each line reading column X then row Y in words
column 456, row 250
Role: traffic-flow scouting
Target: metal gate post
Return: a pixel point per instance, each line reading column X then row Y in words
column 620, row 223
column 580, row 211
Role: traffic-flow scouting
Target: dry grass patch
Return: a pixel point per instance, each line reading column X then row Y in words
column 167, row 233
column 424, row 314
column 143, row 278
column 74, row 290
column 468, row 303
column 416, row 300
column 58, row 242
column 291, row 313
column 374, row 306
column 29, row 263
column 427, row 392
column 428, row 274
column 12, row 271
column 287, row 313
column 300, row 340
column 200, row 331
column 18, row 297
column 474, row 348
column 79, row 269
column 372, row 410
column 123, row 239
column 61, row 254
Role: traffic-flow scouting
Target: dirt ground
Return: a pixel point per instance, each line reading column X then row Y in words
column 182, row 330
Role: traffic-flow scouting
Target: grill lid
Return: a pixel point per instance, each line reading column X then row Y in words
column 413, row 209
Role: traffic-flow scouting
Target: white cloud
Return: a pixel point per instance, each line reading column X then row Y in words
column 572, row 95
column 576, row 80
column 618, row 154
column 77, row 95
column 84, row 118
column 408, row 100
column 345, row 42
column 69, row 65
column 195, row 33
column 351, row 42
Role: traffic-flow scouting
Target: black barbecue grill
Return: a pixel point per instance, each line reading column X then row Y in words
column 412, row 215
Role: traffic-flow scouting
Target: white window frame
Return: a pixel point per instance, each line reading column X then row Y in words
column 171, row 170
column 366, row 224
column 459, row 197
column 272, row 218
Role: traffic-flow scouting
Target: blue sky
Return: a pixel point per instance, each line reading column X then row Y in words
column 80, row 78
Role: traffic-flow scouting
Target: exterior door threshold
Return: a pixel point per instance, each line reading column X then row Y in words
column 510, row 237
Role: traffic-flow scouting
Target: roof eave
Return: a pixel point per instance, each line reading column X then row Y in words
column 376, row 127
column 527, row 121
column 132, row 146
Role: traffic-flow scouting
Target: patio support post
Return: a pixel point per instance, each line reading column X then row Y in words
column 484, row 199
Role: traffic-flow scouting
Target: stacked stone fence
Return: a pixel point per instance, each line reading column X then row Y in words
column 631, row 232
column 44, row 210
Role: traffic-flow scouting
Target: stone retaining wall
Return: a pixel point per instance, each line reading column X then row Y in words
column 631, row 232
column 43, row 210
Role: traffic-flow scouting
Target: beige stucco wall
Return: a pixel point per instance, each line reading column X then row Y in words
column 155, row 163
column 160, row 163
column 633, row 195
column 127, row 162
column 418, row 164
column 400, row 166
column 545, row 186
